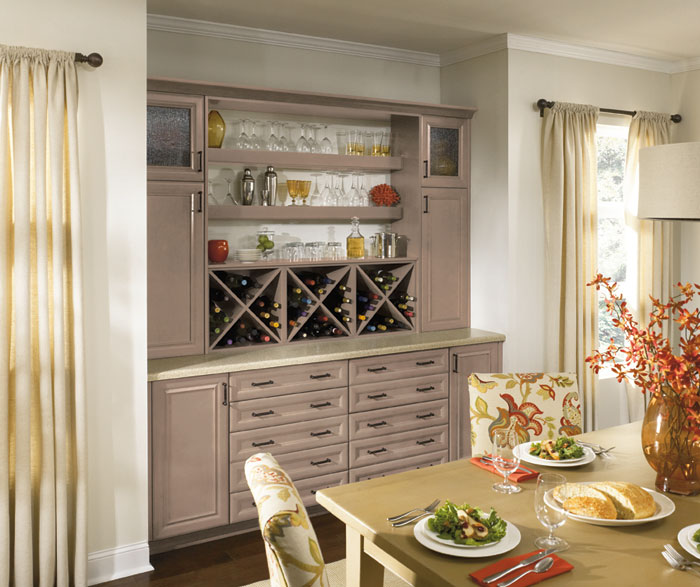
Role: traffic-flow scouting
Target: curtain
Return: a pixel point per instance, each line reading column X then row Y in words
column 650, row 265
column 569, row 171
column 42, row 392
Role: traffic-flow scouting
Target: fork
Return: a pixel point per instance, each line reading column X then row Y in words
column 428, row 509
column 679, row 557
column 678, row 565
column 596, row 448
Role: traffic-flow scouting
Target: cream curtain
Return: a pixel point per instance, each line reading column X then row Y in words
column 570, row 204
column 650, row 264
column 42, row 392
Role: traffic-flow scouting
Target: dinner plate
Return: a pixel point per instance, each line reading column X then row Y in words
column 433, row 536
column 664, row 508
column 685, row 538
column 523, row 451
column 507, row 543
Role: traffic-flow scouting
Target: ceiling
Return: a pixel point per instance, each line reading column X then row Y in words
column 651, row 28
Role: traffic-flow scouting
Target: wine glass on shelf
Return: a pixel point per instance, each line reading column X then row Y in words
column 242, row 142
column 316, row 194
column 550, row 515
column 312, row 139
column 364, row 194
column 304, row 186
column 342, row 196
column 326, row 145
column 302, row 143
column 229, row 192
column 255, row 141
column 211, row 199
column 505, row 459
column 327, row 198
column 263, row 136
column 293, row 189
column 354, row 198
column 274, row 140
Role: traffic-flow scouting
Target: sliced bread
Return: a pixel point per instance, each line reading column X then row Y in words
column 630, row 500
column 564, row 492
column 594, row 507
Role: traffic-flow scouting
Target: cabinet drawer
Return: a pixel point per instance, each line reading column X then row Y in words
column 299, row 465
column 242, row 505
column 382, row 470
column 281, row 380
column 381, row 449
column 288, row 437
column 395, row 393
column 404, row 365
column 294, row 407
column 401, row 419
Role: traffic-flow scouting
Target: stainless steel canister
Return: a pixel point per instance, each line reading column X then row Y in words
column 247, row 188
column 385, row 245
column 270, row 184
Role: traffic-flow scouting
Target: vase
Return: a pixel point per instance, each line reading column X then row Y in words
column 217, row 250
column 669, row 447
column 217, row 129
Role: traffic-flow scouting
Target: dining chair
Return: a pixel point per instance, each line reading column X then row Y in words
column 537, row 406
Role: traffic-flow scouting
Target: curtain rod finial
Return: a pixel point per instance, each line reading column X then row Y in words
column 93, row 60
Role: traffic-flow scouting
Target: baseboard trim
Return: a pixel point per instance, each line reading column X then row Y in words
column 115, row 563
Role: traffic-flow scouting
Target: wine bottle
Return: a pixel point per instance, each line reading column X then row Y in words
column 371, row 327
column 218, row 296
column 406, row 298
column 382, row 327
column 361, row 317
column 344, row 288
column 339, row 310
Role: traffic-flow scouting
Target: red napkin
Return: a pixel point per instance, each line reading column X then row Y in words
column 516, row 476
column 560, row 566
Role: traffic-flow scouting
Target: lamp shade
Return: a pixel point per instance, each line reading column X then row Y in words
column 669, row 182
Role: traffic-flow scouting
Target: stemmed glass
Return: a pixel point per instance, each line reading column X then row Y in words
column 242, row 142
column 303, row 187
column 326, row 145
column 302, row 143
column 341, row 194
column 293, row 189
column 286, row 131
column 505, row 459
column 229, row 192
column 210, row 195
column 354, row 197
column 256, row 142
column 274, row 140
column 548, row 513
column 316, row 194
column 314, row 145
column 364, row 194
column 327, row 194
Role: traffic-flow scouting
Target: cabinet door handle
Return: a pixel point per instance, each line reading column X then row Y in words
column 424, row 363
column 425, row 202
column 225, row 386
column 376, row 452
column 425, row 164
column 259, row 414
column 455, row 369
column 376, row 424
column 199, row 155
column 259, row 383
column 376, row 396
column 423, row 389
column 376, row 369
column 324, row 376
column 266, row 443
column 199, row 202
column 424, row 442
column 424, row 416
column 324, row 433
column 323, row 405
column 323, row 462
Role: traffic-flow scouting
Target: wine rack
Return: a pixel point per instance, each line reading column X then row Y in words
column 305, row 302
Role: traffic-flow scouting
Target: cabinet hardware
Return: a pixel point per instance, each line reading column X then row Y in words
column 376, row 369
column 454, row 363
column 376, row 424
column 225, row 402
column 259, row 383
column 424, row 442
column 425, row 163
column 323, row 405
column 422, row 389
column 323, row 462
column 425, row 201
column 258, row 414
column 376, row 396
column 199, row 202
column 324, row 433
column 324, row 376
column 423, row 416
column 199, row 154
column 424, row 363
column 377, row 451
column 313, row 492
column 266, row 443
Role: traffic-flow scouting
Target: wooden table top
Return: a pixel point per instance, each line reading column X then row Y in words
column 605, row 555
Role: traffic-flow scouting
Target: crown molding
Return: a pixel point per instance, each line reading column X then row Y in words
column 685, row 65
column 171, row 24
column 490, row 45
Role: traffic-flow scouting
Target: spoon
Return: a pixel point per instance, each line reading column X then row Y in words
column 541, row 567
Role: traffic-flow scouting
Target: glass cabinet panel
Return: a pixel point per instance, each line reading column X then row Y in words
column 444, row 152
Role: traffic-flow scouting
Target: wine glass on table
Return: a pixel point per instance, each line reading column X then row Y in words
column 505, row 459
column 550, row 515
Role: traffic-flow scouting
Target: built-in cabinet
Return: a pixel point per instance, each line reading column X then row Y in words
column 445, row 152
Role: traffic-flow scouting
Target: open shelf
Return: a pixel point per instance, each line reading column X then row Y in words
column 296, row 213
column 275, row 263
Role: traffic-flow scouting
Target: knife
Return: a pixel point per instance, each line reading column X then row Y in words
column 523, row 563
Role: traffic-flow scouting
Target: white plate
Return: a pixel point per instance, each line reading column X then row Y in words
column 664, row 508
column 523, row 451
column 447, row 542
column 425, row 537
column 685, row 538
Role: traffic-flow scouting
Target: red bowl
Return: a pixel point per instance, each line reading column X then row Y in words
column 218, row 251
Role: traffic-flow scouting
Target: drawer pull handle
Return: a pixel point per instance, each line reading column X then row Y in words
column 424, row 442
column 323, row 405
column 323, row 462
column 376, row 452
column 324, row 433
column 258, row 414
column 376, row 369
column 376, row 424
column 424, row 363
column 313, row 492
column 258, row 384
column 424, row 416
column 324, row 376
column 376, row 396
column 422, row 389
column 266, row 443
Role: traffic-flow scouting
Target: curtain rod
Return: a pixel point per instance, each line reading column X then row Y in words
column 93, row 60
column 542, row 104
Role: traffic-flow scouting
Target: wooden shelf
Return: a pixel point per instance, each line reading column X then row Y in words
column 277, row 263
column 311, row 161
column 296, row 213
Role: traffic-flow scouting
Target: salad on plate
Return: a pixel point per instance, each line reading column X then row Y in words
column 467, row 525
column 696, row 539
column 561, row 449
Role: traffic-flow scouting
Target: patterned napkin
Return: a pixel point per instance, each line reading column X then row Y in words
column 522, row 474
column 560, row 566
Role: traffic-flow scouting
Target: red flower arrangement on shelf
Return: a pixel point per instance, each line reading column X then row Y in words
column 384, row 195
column 671, row 428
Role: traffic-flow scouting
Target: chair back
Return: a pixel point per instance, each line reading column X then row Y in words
column 293, row 554
column 537, row 406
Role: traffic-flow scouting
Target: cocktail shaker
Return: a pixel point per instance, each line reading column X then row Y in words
column 247, row 188
column 270, row 184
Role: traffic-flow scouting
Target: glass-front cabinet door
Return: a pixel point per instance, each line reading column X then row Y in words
column 445, row 152
column 175, row 137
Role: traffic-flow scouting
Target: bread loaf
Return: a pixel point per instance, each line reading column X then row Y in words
column 630, row 500
column 563, row 492
column 593, row 507
column 608, row 500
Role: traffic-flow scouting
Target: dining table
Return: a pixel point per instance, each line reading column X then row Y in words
column 602, row 555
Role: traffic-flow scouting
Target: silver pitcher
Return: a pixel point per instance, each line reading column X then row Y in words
column 247, row 188
column 269, row 191
column 383, row 245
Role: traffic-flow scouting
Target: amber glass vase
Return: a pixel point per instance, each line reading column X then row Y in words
column 669, row 446
column 217, row 129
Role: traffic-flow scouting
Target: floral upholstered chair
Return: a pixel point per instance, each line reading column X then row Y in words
column 537, row 406
column 293, row 554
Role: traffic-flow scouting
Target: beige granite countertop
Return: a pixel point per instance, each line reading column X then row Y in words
column 263, row 357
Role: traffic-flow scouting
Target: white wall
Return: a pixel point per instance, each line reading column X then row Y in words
column 113, row 184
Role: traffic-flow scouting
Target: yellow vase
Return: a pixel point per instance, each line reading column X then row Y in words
column 217, row 129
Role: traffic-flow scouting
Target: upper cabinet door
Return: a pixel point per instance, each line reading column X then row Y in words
column 175, row 137
column 445, row 152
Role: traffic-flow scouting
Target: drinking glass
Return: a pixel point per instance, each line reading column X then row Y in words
column 342, row 141
column 285, row 137
column 327, row 192
column 354, row 197
column 242, row 142
column 377, row 144
column 293, row 189
column 341, row 194
column 312, row 139
column 263, row 133
column 255, row 142
column 303, row 186
column 229, row 192
column 211, row 199
column 316, row 194
column 334, row 251
column 505, row 460
column 302, row 143
column 386, row 143
column 364, row 194
column 274, row 140
column 326, row 145
column 548, row 513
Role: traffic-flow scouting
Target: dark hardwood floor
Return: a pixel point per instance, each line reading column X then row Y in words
column 229, row 562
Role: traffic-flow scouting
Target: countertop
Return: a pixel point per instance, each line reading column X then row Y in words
column 264, row 357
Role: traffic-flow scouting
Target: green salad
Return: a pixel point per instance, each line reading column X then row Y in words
column 561, row 449
column 468, row 525
column 696, row 538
